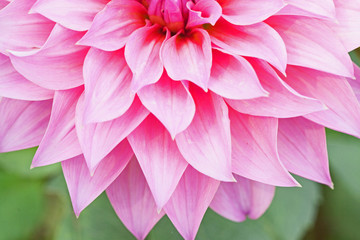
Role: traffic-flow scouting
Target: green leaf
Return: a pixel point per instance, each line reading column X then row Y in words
column 19, row 162
column 344, row 155
column 21, row 206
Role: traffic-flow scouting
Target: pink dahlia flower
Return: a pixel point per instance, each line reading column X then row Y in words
column 172, row 106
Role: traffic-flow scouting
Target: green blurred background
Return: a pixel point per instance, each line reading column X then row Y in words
column 35, row 205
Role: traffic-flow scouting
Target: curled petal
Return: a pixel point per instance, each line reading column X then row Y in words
column 107, row 85
column 343, row 112
column 59, row 58
column 233, row 77
column 311, row 43
column 159, row 158
column 257, row 40
column 112, row 26
column 23, row 123
column 302, row 149
column 245, row 198
column 190, row 201
column 13, row 85
column 98, row 139
column 188, row 57
column 22, row 31
column 203, row 12
column 249, row 12
column 206, row 143
column 83, row 187
column 311, row 8
column 282, row 102
column 254, row 150
column 131, row 199
column 348, row 22
column 146, row 65
column 60, row 141
column 171, row 102
column 73, row 14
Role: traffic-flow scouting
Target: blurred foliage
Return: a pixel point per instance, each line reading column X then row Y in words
column 35, row 205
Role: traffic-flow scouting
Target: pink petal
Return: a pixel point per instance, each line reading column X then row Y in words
column 64, row 66
column 142, row 54
column 107, row 85
column 258, row 40
column 170, row 102
column 73, row 14
column 206, row 143
column 355, row 85
column 98, row 139
column 282, row 102
column 344, row 109
column 3, row 3
column 190, row 201
column 131, row 199
column 249, row 12
column 23, row 123
column 302, row 149
column 13, row 85
column 254, row 150
column 310, row 43
column 159, row 158
column 188, row 57
column 311, row 8
column 20, row 30
column 60, row 141
column 113, row 25
column 245, row 198
column 203, row 12
column 233, row 77
column 348, row 22
column 83, row 187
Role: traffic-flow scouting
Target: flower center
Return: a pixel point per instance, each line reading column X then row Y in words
column 172, row 14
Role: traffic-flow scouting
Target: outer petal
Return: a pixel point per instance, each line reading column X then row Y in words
column 258, row 40
column 60, row 141
column 58, row 58
column 23, row 123
column 99, row 139
column 310, row 43
column 131, row 198
column 355, row 85
column 113, row 25
column 13, row 85
column 283, row 101
column 233, row 77
column 170, row 102
column 159, row 158
column 142, row 54
column 188, row 57
column 344, row 109
column 107, row 85
column 73, row 14
column 249, row 12
column 83, row 187
column 302, row 149
column 254, row 150
column 311, row 8
column 206, row 143
column 20, row 30
column 347, row 27
column 245, row 198
column 203, row 12
column 190, row 201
